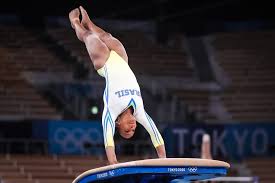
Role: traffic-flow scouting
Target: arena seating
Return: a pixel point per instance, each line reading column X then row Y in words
column 79, row 164
column 28, row 52
column 18, row 99
column 10, row 172
column 245, row 57
column 66, row 38
column 22, row 50
column 19, row 168
column 197, row 101
column 264, row 168
column 144, row 56
column 37, row 169
column 247, row 60
column 47, row 168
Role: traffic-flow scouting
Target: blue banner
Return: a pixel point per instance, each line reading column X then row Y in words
column 230, row 141
column 75, row 137
column 233, row 141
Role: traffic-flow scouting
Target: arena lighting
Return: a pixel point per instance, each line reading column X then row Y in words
column 94, row 110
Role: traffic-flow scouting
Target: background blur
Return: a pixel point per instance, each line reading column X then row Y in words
column 204, row 67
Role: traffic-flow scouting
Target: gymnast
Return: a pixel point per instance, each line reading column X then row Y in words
column 123, row 105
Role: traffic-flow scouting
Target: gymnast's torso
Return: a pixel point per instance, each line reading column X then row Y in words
column 122, row 89
column 121, row 92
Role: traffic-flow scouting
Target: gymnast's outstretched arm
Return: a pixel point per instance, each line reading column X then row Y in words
column 146, row 121
column 111, row 155
column 108, row 127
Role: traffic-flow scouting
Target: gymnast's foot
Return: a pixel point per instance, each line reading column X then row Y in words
column 85, row 17
column 74, row 15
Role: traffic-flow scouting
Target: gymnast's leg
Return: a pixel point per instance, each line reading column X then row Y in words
column 111, row 42
column 97, row 49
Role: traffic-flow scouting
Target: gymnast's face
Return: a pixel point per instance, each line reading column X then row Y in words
column 126, row 124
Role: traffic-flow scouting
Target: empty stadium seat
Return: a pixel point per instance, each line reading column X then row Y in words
column 145, row 57
column 263, row 168
column 247, row 60
column 18, row 99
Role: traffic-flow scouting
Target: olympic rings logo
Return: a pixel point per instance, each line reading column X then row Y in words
column 192, row 169
column 72, row 140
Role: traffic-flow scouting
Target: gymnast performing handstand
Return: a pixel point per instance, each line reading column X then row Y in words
column 123, row 104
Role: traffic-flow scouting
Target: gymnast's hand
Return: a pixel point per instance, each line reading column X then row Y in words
column 111, row 155
column 113, row 162
column 161, row 151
